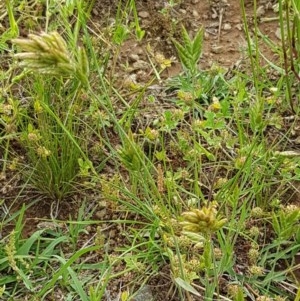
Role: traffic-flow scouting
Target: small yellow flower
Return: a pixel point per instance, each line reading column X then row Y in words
column 256, row 270
column 131, row 84
column 257, row 212
column 234, row 290
column 33, row 137
column 254, row 231
column 194, row 265
column 240, row 161
column 271, row 100
column 218, row 253
column 199, row 124
column 6, row 109
column 37, row 107
column 184, row 242
column 215, row 106
column 43, row 152
column 291, row 209
column 178, row 114
column 14, row 164
column 164, row 63
column 253, row 255
column 220, row 183
column 151, row 134
column 187, row 97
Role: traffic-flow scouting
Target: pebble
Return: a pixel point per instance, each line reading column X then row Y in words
column 216, row 49
column 144, row 14
column 260, row 11
column 195, row 1
column 182, row 11
column 112, row 233
column 144, row 294
column 95, row 12
column 139, row 50
column 214, row 16
column 227, row 26
column 102, row 204
column 195, row 13
column 278, row 33
column 239, row 26
column 134, row 57
column 140, row 64
column 100, row 214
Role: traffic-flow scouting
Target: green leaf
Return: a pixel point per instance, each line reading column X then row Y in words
column 186, row 286
column 197, row 46
column 188, row 43
column 63, row 269
column 276, row 225
column 25, row 248
column 76, row 282
column 183, row 54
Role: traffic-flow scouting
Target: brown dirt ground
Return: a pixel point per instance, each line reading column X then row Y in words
column 224, row 38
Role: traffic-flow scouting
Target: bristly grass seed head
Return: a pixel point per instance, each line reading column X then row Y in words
column 205, row 220
column 46, row 53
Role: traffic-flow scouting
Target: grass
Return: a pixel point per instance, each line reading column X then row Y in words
column 206, row 187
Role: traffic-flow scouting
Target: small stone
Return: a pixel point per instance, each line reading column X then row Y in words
column 239, row 26
column 100, row 214
column 182, row 11
column 216, row 49
column 195, row 1
column 269, row 5
column 278, row 33
column 195, row 13
column 235, row 21
column 144, row 14
column 134, row 57
column 214, row 16
column 139, row 51
column 260, row 11
column 102, row 204
column 144, row 294
column 227, row 26
column 140, row 64
column 95, row 12
column 112, row 233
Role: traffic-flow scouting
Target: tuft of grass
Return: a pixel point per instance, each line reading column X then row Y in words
column 51, row 131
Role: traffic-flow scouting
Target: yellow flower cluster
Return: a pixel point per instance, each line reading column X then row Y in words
column 205, row 220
